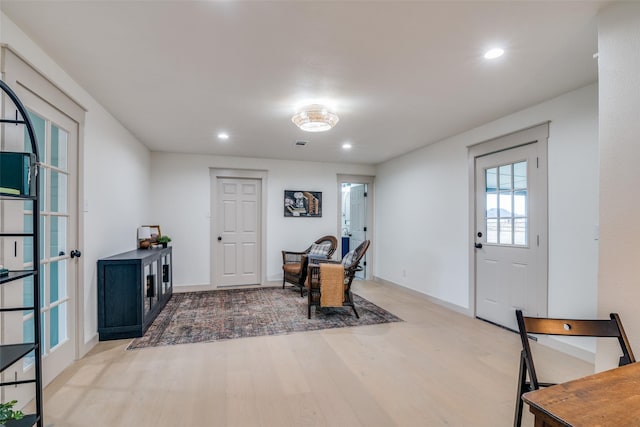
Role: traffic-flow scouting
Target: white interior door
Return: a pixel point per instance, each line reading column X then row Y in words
column 237, row 250
column 358, row 221
column 57, row 137
column 510, row 235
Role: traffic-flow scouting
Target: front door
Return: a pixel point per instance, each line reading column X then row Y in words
column 510, row 235
column 237, row 221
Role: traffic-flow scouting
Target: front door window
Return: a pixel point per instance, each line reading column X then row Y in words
column 506, row 213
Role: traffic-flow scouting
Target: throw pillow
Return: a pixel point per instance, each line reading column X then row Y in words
column 348, row 259
column 321, row 249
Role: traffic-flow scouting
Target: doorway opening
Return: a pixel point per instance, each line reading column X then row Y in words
column 355, row 217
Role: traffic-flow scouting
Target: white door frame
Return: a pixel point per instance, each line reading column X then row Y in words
column 539, row 133
column 359, row 179
column 214, row 174
column 20, row 75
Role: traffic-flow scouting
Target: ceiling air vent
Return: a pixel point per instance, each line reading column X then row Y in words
column 301, row 143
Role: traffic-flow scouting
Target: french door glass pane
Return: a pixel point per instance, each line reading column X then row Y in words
column 58, row 192
column 27, row 333
column 27, row 293
column 57, row 324
column 57, row 280
column 44, row 196
column 57, row 236
column 42, row 233
column 39, row 128
column 59, row 140
column 28, row 337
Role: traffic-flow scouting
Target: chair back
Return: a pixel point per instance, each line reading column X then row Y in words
column 611, row 328
column 326, row 239
column 352, row 265
column 571, row 327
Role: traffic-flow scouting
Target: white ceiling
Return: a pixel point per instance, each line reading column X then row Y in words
column 400, row 74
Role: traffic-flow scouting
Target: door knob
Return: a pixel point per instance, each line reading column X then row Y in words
column 219, row 238
column 75, row 253
column 478, row 245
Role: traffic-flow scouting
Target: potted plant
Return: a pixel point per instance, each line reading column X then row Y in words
column 164, row 240
column 7, row 413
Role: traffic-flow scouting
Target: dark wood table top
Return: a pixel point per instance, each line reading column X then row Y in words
column 606, row 399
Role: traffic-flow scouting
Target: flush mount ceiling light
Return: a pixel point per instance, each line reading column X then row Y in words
column 315, row 118
column 494, row 53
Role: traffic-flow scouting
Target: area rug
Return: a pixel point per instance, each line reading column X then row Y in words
column 208, row 316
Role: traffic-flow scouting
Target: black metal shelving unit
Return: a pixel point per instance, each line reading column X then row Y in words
column 12, row 353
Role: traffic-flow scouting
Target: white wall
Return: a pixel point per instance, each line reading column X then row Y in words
column 422, row 220
column 619, row 69
column 116, row 175
column 181, row 204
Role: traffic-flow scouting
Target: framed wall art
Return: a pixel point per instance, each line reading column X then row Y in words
column 302, row 203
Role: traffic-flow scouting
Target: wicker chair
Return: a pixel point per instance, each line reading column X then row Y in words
column 294, row 264
column 351, row 263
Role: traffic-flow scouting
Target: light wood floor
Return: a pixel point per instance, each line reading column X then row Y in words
column 437, row 368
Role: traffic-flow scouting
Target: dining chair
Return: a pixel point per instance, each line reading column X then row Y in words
column 611, row 328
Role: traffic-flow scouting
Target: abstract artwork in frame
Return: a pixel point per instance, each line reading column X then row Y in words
column 302, row 203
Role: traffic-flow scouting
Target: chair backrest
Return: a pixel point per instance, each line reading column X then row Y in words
column 350, row 265
column 333, row 242
column 572, row 327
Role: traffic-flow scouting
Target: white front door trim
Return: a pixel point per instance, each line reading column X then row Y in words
column 539, row 133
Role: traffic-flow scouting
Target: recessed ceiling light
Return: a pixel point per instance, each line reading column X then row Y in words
column 346, row 146
column 494, row 53
column 223, row 135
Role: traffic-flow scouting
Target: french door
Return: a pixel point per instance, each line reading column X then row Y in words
column 58, row 147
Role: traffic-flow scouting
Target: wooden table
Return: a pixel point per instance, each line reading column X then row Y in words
column 607, row 399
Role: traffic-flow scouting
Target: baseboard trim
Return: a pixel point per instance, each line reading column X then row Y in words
column 177, row 289
column 200, row 288
column 438, row 301
column 85, row 347
column 564, row 347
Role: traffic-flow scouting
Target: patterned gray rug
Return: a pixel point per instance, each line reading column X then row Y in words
column 194, row 317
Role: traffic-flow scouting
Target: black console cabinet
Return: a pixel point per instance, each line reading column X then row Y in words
column 132, row 289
